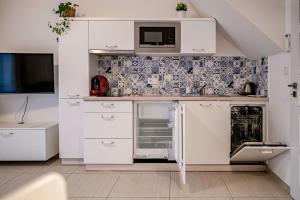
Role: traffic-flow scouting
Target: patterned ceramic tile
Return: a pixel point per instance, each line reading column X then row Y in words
column 146, row 75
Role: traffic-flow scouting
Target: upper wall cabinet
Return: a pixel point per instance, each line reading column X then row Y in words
column 111, row 35
column 198, row 37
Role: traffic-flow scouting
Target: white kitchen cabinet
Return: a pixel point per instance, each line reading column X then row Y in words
column 108, row 106
column 108, row 132
column 108, row 151
column 108, row 125
column 111, row 35
column 74, row 61
column 207, row 132
column 70, row 128
column 198, row 37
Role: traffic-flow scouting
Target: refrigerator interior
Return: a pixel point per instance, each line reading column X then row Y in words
column 154, row 130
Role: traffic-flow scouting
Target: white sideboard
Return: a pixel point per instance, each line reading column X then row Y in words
column 28, row 142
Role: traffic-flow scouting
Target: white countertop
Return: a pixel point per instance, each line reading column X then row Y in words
column 177, row 98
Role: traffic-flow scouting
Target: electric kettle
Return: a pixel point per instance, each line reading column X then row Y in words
column 249, row 89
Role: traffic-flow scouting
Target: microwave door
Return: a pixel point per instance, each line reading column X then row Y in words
column 157, row 37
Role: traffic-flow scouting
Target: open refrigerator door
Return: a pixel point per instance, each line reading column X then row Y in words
column 181, row 127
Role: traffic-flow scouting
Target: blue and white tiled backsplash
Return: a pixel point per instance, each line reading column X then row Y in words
column 171, row 76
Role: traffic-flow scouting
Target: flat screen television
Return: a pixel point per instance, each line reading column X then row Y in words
column 26, row 73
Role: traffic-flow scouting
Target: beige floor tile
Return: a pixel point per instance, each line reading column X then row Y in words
column 203, row 198
column 29, row 167
column 18, row 182
column 255, row 184
column 62, row 169
column 142, row 185
column 82, row 170
column 90, row 185
column 7, row 175
column 263, row 198
column 91, row 198
column 199, row 184
column 137, row 198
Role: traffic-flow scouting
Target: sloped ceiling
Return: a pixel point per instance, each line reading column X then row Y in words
column 242, row 30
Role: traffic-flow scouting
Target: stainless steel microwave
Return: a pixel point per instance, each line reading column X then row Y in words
column 157, row 37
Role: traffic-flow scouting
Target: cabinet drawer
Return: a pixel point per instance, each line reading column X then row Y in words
column 107, row 106
column 22, row 145
column 108, row 125
column 108, row 151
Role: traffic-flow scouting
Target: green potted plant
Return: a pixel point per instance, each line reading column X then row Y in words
column 181, row 9
column 64, row 10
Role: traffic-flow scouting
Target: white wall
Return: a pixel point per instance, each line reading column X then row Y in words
column 279, row 103
column 267, row 15
column 23, row 28
column 132, row 8
column 243, row 33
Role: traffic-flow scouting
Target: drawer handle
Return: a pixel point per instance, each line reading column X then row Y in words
column 6, row 134
column 111, row 46
column 205, row 105
column 73, row 95
column 74, row 103
column 103, row 142
column 108, row 105
column 266, row 151
column 108, row 117
column 199, row 50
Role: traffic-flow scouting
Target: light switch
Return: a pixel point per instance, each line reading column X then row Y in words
column 286, row 71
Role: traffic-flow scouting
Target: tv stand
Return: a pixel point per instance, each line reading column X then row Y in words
column 28, row 141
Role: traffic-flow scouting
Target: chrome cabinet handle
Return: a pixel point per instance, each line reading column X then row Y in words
column 108, row 105
column 108, row 117
column 73, row 103
column 111, row 46
column 73, row 95
column 205, row 105
column 103, row 142
column 7, row 134
column 199, row 50
column 266, row 151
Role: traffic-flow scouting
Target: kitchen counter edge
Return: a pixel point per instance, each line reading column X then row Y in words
column 175, row 98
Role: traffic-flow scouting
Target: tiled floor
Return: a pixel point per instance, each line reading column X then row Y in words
column 99, row 185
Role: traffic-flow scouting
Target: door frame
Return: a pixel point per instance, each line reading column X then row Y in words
column 293, row 20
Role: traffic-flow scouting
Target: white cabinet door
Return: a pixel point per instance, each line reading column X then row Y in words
column 70, row 128
column 180, row 127
column 208, row 132
column 14, row 144
column 198, row 37
column 111, row 35
column 74, row 61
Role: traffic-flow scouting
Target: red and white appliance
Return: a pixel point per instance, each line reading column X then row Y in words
column 99, row 86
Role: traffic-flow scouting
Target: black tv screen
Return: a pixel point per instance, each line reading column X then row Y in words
column 26, row 73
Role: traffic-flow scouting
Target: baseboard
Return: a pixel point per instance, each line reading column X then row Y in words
column 174, row 168
column 72, row 161
column 281, row 182
column 226, row 168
